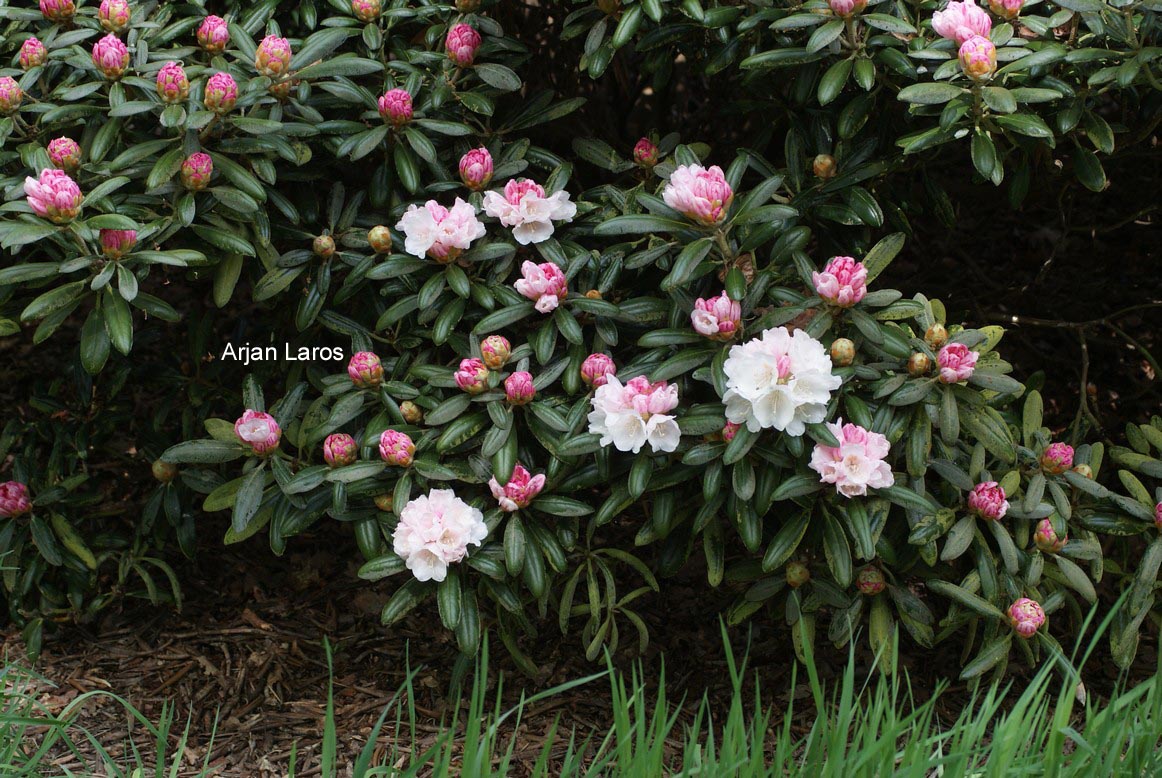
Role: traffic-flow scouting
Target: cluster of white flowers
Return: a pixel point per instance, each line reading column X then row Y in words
column 632, row 415
column 434, row 531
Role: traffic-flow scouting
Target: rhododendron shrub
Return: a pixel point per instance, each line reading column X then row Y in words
column 553, row 379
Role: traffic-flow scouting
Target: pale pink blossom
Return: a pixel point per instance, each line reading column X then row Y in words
column 340, row 449
column 221, row 93
column 395, row 106
column 960, row 21
column 396, row 448
column 54, row 196
column 495, row 350
column 440, row 233
column 1058, row 458
column 718, row 318
column 111, row 57
column 461, row 44
column 978, row 58
column 476, row 169
column 1047, row 539
column 14, row 499
column 957, row 363
column 259, row 431
column 857, row 463
column 32, row 53
column 113, row 15
column 597, row 368
column 520, row 490
column 213, row 34
column 115, row 244
column 64, row 154
column 1026, row 617
column 842, row 283
column 525, row 207
column 172, row 84
column 273, row 56
column 472, row 376
column 698, row 193
column 637, row 413
column 365, row 369
column 519, row 389
column 434, row 531
column 545, row 284
column 987, row 500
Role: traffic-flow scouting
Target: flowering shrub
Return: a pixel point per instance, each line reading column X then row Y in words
column 540, row 381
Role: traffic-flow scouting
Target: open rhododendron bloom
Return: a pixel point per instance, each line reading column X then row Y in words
column 520, row 490
column 213, row 34
column 434, row 531
column 476, row 169
column 259, row 431
column 1026, row 617
column 857, row 463
column 987, row 500
column 632, row 415
column 54, row 196
column 699, row 193
column 960, row 21
column 396, row 448
column 780, row 380
column 365, row 369
column 440, row 233
column 843, row 281
column 718, row 318
column 597, row 368
column 544, row 284
column 525, row 207
column 14, row 499
column 957, row 363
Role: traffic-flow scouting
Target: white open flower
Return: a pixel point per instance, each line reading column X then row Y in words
column 632, row 415
column 780, row 381
column 434, row 531
column 525, row 207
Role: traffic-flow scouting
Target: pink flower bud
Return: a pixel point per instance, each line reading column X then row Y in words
column 845, row 9
column 1006, row 9
column 797, row 574
column 718, row 318
column 1158, row 516
column 698, row 193
column 596, row 369
column 11, row 95
column 870, row 581
column 379, row 238
column 339, row 450
column 111, row 57
column 273, row 57
column 54, row 196
column 472, row 376
column 1046, row 538
column 396, row 448
column 395, row 106
column 221, row 93
column 987, row 500
column 843, row 282
column 545, row 284
column 64, row 154
column 1026, row 617
column 960, row 21
column 196, row 171
column 58, row 10
column 520, row 490
column 114, row 15
column 518, row 388
column 14, row 499
column 365, row 369
column 117, row 243
column 978, row 58
column 366, row 10
column 32, row 53
column 956, row 362
column 645, row 153
column 461, row 44
column 172, row 84
column 259, row 431
column 213, row 34
column 495, row 350
column 476, row 169
column 1058, row 458
column 730, row 430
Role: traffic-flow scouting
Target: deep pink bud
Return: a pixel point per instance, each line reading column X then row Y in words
column 196, row 171
column 58, row 10
column 1158, row 516
column 396, row 448
column 114, row 15
column 957, row 363
column 32, row 53
column 1058, row 458
column 365, row 369
column 213, row 34
column 1046, row 538
column 978, row 58
column 520, row 490
column 221, row 93
column 846, row 8
column 259, row 431
column 395, row 106
column 472, row 376
column 11, row 95
column 117, row 243
column 461, row 44
column 111, row 57
column 596, row 369
column 870, row 581
column 717, row 318
column 54, row 196
column 519, row 389
column 14, row 499
column 340, row 449
column 645, row 153
column 842, row 283
column 987, row 500
column 495, row 351
column 476, row 169
column 273, row 57
column 730, row 430
column 172, row 84
column 64, row 154
column 1026, row 617
column 366, row 10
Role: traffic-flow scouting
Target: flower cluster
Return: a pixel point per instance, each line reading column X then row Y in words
column 520, row 490
column 525, row 207
column 843, row 282
column 544, row 284
column 434, row 531
column 637, row 413
column 698, row 193
column 857, row 463
column 987, row 500
column 54, row 196
column 259, row 431
column 957, row 363
column 718, row 318
column 440, row 233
